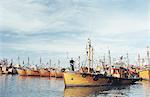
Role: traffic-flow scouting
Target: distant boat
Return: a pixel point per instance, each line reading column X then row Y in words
column 53, row 72
column 30, row 72
column 44, row 72
column 1, row 70
column 145, row 73
column 21, row 72
column 57, row 73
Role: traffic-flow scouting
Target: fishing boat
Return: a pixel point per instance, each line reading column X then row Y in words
column 5, row 70
column 90, row 78
column 75, row 78
column 0, row 70
column 122, row 76
column 53, row 72
column 85, row 79
column 31, row 72
column 21, row 71
column 44, row 73
column 145, row 72
column 59, row 74
column 59, row 71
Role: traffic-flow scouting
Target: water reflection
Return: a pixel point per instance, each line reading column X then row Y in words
column 146, row 88
column 29, row 86
column 93, row 91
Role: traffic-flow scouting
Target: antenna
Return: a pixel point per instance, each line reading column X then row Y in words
column 18, row 60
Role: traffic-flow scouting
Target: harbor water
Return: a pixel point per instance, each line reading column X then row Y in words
column 28, row 86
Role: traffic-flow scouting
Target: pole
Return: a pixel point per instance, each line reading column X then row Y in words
column 104, row 58
column 58, row 63
column 79, row 62
column 148, row 56
column 40, row 60
column 92, row 57
column 18, row 60
column 128, row 59
column 139, row 59
column 89, row 54
column 50, row 62
column 109, row 57
column 28, row 60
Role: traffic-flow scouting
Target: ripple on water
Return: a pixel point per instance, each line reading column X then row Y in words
column 22, row 86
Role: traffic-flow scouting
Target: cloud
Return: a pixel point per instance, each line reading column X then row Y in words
column 55, row 27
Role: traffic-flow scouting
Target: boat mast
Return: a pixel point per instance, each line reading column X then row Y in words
column 28, row 60
column 40, row 60
column 89, row 55
column 92, row 57
column 127, row 60
column 109, row 57
column 104, row 59
column 58, row 63
column 79, row 62
column 11, row 61
column 142, row 62
column 18, row 60
column 139, row 59
column 148, row 58
column 50, row 62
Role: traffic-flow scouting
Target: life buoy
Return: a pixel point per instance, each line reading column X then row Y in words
column 95, row 77
column 84, row 75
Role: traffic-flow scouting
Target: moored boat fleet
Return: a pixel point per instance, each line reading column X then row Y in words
column 5, row 68
column 42, row 72
column 117, row 73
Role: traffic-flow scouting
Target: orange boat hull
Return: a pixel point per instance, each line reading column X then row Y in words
column 59, row 74
column 53, row 73
column 44, row 73
column 32, row 72
column 21, row 72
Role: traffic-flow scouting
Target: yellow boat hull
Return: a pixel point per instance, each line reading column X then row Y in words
column 145, row 74
column 77, row 79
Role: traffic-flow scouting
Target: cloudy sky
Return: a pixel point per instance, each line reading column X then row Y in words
column 59, row 28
